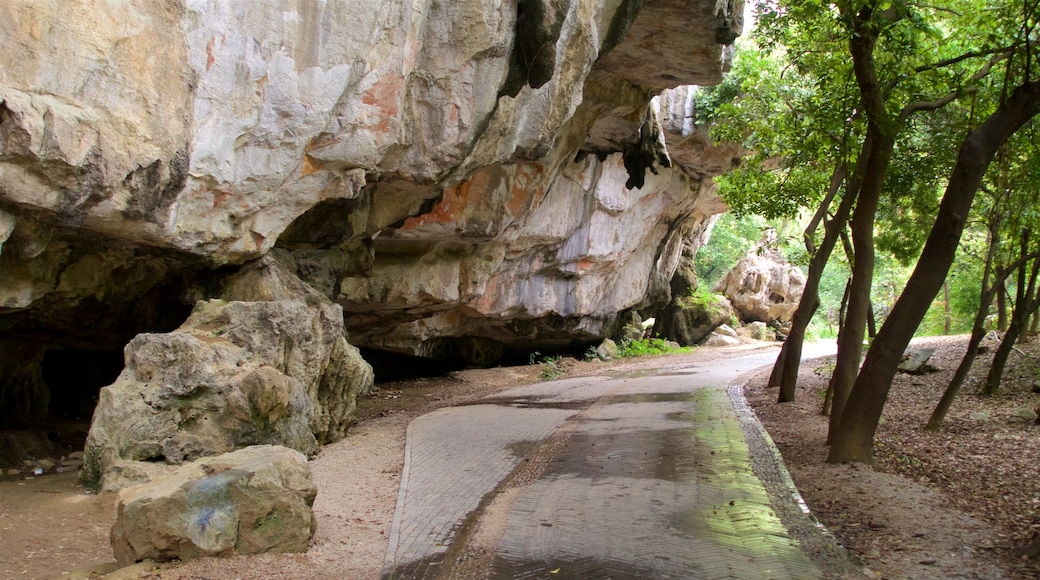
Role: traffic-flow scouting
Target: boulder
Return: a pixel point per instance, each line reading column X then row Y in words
column 763, row 286
column 726, row 330
column 234, row 374
column 691, row 318
column 254, row 500
column 607, row 350
column 757, row 331
column 716, row 339
column 632, row 327
column 915, row 362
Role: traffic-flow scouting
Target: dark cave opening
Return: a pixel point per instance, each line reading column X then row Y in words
column 60, row 404
column 74, row 378
column 392, row 367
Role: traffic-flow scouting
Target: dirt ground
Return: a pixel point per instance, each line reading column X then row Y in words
column 951, row 505
column 959, row 503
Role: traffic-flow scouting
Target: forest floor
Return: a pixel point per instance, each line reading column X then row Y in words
column 954, row 504
column 958, row 503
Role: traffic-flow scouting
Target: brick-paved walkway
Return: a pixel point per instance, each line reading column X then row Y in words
column 648, row 477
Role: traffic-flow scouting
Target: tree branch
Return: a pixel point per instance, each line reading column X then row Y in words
column 973, row 54
column 912, row 108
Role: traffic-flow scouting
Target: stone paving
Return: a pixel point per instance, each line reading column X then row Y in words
column 647, row 477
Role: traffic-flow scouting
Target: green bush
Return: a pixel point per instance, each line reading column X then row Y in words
column 647, row 346
column 551, row 367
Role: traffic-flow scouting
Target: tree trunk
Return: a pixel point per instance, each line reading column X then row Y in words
column 996, row 368
column 1025, row 305
column 785, row 371
column 854, row 438
column 935, row 421
column 978, row 328
column 1002, row 309
column 947, row 322
column 850, row 347
column 828, row 398
column 880, row 136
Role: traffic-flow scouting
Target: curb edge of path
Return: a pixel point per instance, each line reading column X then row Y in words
column 402, row 492
column 815, row 540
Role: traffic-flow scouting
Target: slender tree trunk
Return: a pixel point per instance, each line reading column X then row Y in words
column 828, row 399
column 996, row 368
column 854, row 439
column 935, row 421
column 880, row 135
column 785, row 371
column 1002, row 309
column 947, row 320
column 850, row 347
column 1025, row 305
column 978, row 330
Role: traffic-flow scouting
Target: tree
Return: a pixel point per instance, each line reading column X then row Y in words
column 785, row 110
column 854, row 439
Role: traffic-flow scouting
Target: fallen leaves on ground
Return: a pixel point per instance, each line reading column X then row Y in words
column 984, row 463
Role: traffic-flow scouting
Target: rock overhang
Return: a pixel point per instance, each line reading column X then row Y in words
column 374, row 145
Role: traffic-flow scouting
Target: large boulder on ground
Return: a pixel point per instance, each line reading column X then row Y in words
column 690, row 318
column 758, row 330
column 234, row 374
column 716, row 339
column 249, row 501
column 764, row 286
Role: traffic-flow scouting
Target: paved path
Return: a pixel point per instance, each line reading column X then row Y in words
column 598, row 477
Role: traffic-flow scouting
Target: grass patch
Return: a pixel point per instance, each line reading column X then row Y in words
column 648, row 346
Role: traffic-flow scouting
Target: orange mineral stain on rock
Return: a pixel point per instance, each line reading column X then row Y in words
column 311, row 165
column 527, row 187
column 209, row 52
column 218, row 197
column 454, row 202
column 385, row 94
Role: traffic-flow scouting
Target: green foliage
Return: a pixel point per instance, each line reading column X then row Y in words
column 551, row 367
column 647, row 346
column 730, row 239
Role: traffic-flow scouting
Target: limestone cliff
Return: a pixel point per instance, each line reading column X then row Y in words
column 462, row 178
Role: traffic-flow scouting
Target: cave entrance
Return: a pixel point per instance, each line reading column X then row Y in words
column 74, row 378
column 390, row 367
column 49, row 402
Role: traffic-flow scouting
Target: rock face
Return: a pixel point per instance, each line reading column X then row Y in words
column 251, row 501
column 463, row 178
column 764, row 286
column 691, row 318
column 234, row 374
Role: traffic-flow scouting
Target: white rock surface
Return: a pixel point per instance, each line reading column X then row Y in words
column 425, row 170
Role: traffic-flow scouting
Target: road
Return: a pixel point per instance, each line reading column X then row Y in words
column 651, row 474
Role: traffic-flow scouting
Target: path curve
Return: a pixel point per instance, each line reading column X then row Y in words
column 663, row 474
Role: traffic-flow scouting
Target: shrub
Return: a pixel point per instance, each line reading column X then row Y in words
column 647, row 346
